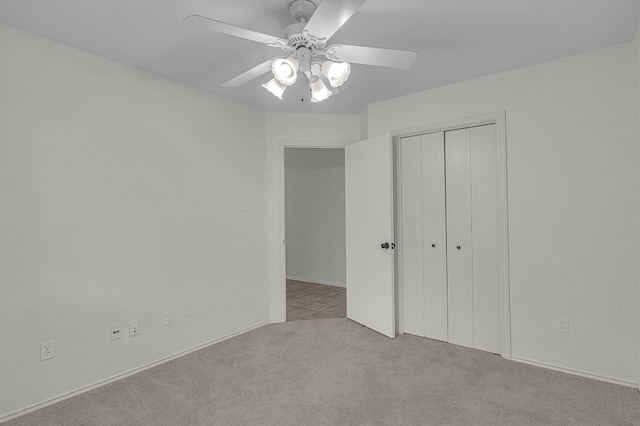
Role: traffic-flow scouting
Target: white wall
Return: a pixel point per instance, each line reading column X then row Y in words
column 326, row 130
column 364, row 123
column 119, row 199
column 572, row 156
column 314, row 212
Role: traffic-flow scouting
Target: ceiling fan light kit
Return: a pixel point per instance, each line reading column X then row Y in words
column 337, row 73
column 319, row 91
column 275, row 87
column 285, row 70
column 304, row 43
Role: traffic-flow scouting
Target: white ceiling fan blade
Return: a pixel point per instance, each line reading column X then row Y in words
column 221, row 27
column 247, row 76
column 330, row 16
column 392, row 58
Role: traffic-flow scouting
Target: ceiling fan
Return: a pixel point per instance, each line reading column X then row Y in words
column 304, row 43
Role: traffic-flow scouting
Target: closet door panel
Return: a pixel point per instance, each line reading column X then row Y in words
column 459, row 244
column 484, row 200
column 411, row 233
column 434, row 236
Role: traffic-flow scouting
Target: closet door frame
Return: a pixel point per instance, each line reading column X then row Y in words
column 497, row 118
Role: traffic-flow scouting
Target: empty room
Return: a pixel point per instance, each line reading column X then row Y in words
column 319, row 212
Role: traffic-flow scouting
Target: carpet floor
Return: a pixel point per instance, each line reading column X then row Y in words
column 336, row 372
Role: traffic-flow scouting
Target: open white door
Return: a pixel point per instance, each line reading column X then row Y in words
column 369, row 234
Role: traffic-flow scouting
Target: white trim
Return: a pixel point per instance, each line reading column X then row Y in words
column 497, row 118
column 398, row 234
column 444, row 126
column 574, row 372
column 315, row 281
column 282, row 253
column 128, row 373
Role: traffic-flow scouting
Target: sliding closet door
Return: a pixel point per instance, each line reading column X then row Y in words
column 434, row 236
column 459, row 242
column 411, row 233
column 484, row 200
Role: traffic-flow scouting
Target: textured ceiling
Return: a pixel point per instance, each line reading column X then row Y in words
column 456, row 40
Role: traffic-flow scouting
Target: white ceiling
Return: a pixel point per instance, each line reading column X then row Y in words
column 456, row 40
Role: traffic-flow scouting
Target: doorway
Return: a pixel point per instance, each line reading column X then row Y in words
column 314, row 210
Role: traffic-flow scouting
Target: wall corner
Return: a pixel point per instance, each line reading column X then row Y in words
column 364, row 123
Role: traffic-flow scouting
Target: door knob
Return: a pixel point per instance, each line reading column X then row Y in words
column 384, row 245
column 433, row 245
column 458, row 247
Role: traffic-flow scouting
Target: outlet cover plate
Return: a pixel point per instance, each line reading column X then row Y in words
column 47, row 350
column 134, row 328
column 562, row 325
column 168, row 318
column 115, row 332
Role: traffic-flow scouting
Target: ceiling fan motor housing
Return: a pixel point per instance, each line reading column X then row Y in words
column 293, row 29
column 303, row 55
column 297, row 38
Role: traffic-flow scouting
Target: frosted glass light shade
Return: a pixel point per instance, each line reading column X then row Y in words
column 337, row 73
column 285, row 70
column 319, row 91
column 275, row 87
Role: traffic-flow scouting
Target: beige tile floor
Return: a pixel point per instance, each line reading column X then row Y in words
column 307, row 301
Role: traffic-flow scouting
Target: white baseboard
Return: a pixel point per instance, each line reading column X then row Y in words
column 315, row 281
column 575, row 372
column 111, row 379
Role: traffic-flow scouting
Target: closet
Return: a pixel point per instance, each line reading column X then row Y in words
column 449, row 236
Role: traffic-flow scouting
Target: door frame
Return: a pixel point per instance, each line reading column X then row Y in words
column 282, row 251
column 499, row 119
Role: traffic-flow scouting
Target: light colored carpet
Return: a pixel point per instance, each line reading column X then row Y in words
column 336, row 372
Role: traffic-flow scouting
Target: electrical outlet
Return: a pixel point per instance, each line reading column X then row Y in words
column 115, row 331
column 134, row 328
column 47, row 350
column 562, row 325
column 168, row 318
